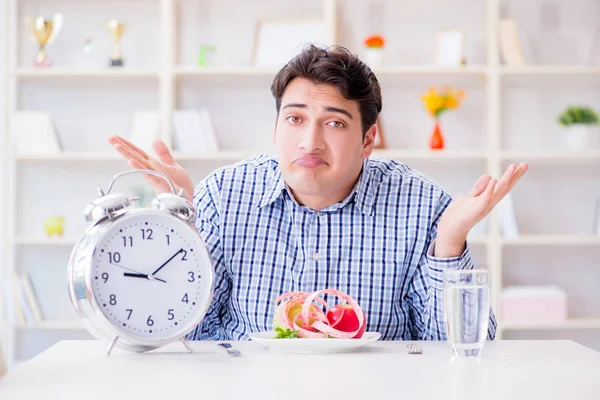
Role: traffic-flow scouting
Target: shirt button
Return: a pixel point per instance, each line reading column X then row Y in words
column 316, row 256
column 319, row 214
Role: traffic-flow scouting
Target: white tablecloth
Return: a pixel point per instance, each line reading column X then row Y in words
column 506, row 370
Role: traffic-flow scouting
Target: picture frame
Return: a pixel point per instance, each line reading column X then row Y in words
column 380, row 142
column 145, row 129
column 594, row 56
column 2, row 362
column 34, row 133
column 450, row 48
column 193, row 131
column 511, row 45
column 597, row 218
column 508, row 219
column 278, row 40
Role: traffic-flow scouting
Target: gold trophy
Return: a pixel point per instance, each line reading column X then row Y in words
column 115, row 29
column 43, row 32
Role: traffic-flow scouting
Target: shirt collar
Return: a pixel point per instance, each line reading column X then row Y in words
column 273, row 189
column 360, row 193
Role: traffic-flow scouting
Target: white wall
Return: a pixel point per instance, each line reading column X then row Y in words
column 551, row 199
column 3, row 54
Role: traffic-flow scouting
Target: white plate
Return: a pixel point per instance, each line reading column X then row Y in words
column 303, row 345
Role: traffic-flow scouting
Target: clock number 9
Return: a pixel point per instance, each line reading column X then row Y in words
column 105, row 276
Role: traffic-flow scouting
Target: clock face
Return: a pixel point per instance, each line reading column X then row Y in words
column 151, row 276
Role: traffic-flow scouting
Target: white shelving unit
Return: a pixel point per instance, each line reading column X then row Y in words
column 483, row 135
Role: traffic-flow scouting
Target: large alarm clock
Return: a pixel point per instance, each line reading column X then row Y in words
column 140, row 277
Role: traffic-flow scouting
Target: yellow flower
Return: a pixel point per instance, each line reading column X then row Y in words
column 436, row 102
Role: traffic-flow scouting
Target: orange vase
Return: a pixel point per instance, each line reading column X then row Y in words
column 436, row 142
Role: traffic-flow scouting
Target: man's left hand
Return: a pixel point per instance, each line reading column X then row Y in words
column 465, row 212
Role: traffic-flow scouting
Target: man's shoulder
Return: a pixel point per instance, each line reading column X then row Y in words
column 393, row 172
column 262, row 167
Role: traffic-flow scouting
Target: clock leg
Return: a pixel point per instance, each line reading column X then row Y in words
column 112, row 344
column 187, row 345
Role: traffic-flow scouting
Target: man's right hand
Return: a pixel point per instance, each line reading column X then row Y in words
column 139, row 159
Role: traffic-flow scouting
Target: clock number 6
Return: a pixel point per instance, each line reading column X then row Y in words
column 150, row 322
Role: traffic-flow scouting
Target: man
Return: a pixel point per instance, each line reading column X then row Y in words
column 325, row 215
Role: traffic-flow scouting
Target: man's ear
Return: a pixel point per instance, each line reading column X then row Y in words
column 369, row 141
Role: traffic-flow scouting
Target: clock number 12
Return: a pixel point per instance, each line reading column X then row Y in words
column 146, row 234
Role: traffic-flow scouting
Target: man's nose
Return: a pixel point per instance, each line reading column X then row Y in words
column 312, row 138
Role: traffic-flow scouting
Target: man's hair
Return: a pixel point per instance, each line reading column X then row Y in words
column 335, row 66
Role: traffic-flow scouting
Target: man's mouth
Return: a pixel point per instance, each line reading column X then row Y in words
column 310, row 161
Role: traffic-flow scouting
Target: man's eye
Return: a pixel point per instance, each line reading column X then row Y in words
column 293, row 119
column 336, row 124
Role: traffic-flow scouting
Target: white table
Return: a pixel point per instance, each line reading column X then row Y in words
column 506, row 370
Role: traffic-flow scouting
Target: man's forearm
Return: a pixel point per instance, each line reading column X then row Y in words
column 434, row 318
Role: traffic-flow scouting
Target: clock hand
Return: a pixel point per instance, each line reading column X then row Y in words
column 142, row 276
column 128, row 269
column 151, row 276
column 135, row 275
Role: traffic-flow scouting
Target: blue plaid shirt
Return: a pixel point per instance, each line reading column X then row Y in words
column 376, row 245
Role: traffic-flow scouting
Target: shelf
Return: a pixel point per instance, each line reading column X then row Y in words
column 550, row 70
column 477, row 240
column 224, row 71
column 46, row 241
column 107, row 156
column 52, row 326
column 391, row 70
column 429, row 70
column 571, row 324
column 474, row 155
column 69, row 156
column 420, row 154
column 28, row 73
column 552, row 240
column 551, row 157
column 218, row 156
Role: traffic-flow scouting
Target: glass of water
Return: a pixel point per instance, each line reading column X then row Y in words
column 466, row 309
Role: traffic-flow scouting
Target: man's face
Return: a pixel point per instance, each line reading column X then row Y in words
column 319, row 142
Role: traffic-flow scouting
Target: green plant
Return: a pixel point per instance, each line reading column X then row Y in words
column 286, row 334
column 578, row 115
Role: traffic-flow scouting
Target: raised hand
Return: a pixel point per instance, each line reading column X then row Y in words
column 139, row 159
column 465, row 212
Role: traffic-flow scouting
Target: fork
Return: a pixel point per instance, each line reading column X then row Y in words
column 233, row 352
column 414, row 349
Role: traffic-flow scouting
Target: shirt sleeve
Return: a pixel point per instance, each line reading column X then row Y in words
column 206, row 200
column 426, row 291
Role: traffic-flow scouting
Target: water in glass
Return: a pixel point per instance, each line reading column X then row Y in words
column 467, row 310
